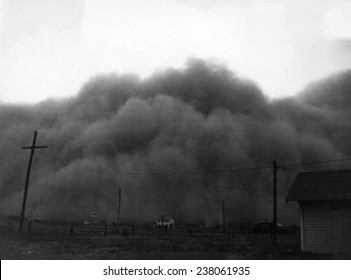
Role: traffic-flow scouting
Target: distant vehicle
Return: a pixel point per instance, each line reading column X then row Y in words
column 86, row 222
column 168, row 223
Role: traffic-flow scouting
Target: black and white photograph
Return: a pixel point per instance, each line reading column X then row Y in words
column 175, row 130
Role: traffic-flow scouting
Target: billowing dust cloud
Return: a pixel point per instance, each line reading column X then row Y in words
column 161, row 139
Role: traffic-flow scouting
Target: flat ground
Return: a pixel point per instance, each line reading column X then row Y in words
column 177, row 244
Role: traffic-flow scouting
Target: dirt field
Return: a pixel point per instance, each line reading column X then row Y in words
column 180, row 244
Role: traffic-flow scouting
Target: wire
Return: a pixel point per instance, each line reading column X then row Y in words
column 287, row 167
column 111, row 171
column 314, row 162
column 319, row 168
column 197, row 171
column 209, row 171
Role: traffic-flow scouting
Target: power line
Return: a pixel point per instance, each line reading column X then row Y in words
column 314, row 162
column 190, row 172
column 195, row 172
column 209, row 171
column 319, row 168
column 198, row 171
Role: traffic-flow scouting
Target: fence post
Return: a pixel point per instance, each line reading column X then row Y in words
column 71, row 231
column 132, row 229
column 105, row 229
column 29, row 226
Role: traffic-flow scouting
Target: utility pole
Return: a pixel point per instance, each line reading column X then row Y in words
column 223, row 216
column 32, row 148
column 119, row 204
column 274, row 229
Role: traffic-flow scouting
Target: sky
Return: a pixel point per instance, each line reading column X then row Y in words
column 49, row 48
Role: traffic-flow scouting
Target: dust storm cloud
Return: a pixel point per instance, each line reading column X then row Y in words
column 161, row 138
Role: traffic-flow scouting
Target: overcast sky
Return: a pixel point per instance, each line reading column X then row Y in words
column 50, row 47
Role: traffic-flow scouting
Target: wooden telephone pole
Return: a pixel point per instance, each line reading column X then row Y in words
column 32, row 148
column 119, row 204
column 274, row 229
column 223, row 216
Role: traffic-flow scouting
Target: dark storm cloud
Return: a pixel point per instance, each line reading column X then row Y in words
column 148, row 136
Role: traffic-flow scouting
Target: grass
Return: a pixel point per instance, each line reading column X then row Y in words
column 201, row 244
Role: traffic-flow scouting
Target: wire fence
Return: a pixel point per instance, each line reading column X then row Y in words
column 71, row 229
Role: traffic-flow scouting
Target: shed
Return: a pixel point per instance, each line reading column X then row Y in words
column 325, row 210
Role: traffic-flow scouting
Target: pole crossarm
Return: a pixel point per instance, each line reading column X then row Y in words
column 274, row 229
column 35, row 147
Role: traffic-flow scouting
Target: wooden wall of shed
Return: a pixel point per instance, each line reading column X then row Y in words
column 326, row 227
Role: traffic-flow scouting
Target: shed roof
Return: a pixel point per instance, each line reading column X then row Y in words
column 321, row 185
